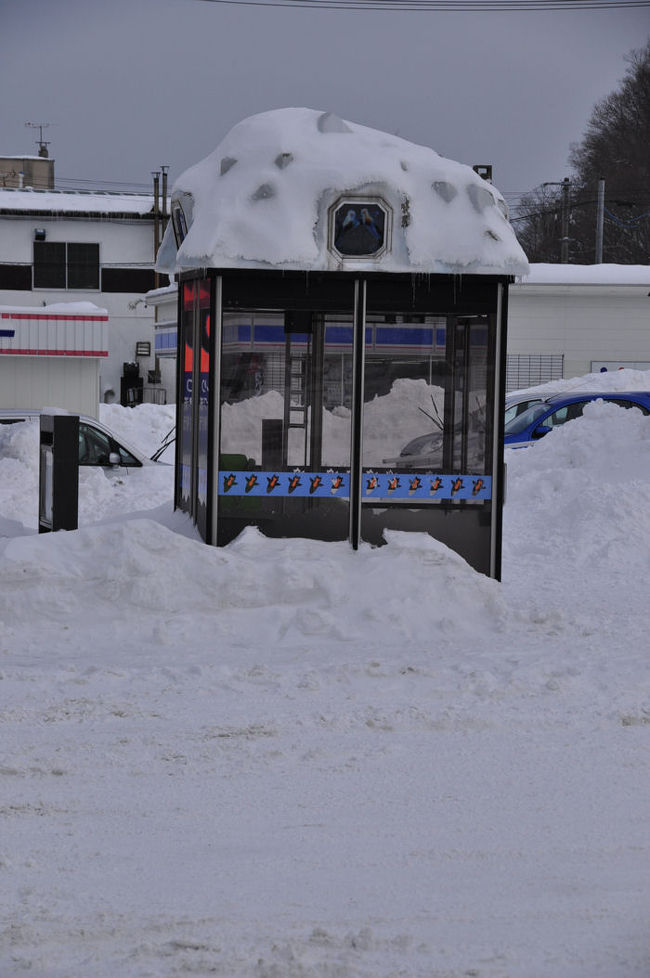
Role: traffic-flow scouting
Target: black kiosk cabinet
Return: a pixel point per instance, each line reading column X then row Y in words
column 341, row 338
column 58, row 495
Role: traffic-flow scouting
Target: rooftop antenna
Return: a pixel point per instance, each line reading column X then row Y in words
column 42, row 145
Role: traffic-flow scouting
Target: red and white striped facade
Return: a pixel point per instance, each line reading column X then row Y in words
column 61, row 330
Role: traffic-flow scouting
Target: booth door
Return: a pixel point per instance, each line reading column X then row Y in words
column 285, row 423
column 426, row 430
column 193, row 455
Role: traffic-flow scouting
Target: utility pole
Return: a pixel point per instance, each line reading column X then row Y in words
column 564, row 252
column 600, row 221
column 564, row 234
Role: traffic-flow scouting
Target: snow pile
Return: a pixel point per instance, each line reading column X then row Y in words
column 579, row 503
column 145, row 427
column 625, row 379
column 285, row 758
column 101, row 494
column 58, row 309
column 263, row 196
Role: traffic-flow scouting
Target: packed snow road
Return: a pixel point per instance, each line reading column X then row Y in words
column 284, row 759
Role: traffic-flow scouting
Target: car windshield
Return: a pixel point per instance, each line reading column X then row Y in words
column 518, row 407
column 520, row 423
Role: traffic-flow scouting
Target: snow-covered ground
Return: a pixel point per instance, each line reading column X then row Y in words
column 283, row 759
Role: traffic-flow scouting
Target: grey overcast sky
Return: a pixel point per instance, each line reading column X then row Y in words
column 129, row 85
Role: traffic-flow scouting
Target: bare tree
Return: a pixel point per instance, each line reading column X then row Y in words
column 615, row 148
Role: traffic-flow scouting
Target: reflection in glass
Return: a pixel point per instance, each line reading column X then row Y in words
column 470, row 426
column 285, row 408
column 405, row 382
column 286, row 396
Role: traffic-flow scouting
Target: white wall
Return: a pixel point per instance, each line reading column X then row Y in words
column 120, row 242
column 584, row 323
column 71, row 383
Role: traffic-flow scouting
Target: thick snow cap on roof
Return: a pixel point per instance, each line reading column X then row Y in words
column 73, row 201
column 266, row 198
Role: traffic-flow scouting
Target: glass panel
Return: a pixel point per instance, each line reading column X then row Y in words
column 18, row 278
column 425, row 434
column 185, row 397
column 94, row 446
column 49, row 265
column 285, row 423
column 203, row 406
column 629, row 404
column 83, row 266
column 179, row 223
column 125, row 457
column 470, row 386
column 405, row 381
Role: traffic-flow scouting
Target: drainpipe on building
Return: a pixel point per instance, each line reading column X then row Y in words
column 163, row 203
column 156, row 226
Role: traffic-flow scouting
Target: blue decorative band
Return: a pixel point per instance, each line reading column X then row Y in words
column 381, row 486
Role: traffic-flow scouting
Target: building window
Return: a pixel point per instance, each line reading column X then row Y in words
column 128, row 279
column 61, row 265
column 83, row 266
column 16, row 277
column 49, row 265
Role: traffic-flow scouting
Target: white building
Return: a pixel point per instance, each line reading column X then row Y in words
column 71, row 246
column 50, row 356
column 569, row 320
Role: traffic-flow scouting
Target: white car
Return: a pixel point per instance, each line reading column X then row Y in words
column 97, row 443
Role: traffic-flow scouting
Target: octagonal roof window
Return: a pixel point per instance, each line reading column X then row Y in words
column 359, row 227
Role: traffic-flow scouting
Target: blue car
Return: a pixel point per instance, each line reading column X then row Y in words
column 550, row 412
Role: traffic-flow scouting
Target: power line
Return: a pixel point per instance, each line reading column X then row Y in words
column 74, row 183
column 449, row 6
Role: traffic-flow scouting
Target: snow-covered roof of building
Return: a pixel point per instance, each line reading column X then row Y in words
column 76, row 309
column 602, row 274
column 25, row 156
column 74, row 201
column 272, row 192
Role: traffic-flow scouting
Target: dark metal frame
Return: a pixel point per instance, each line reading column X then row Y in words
column 453, row 296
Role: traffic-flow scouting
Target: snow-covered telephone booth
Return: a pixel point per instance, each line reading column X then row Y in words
column 342, row 337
